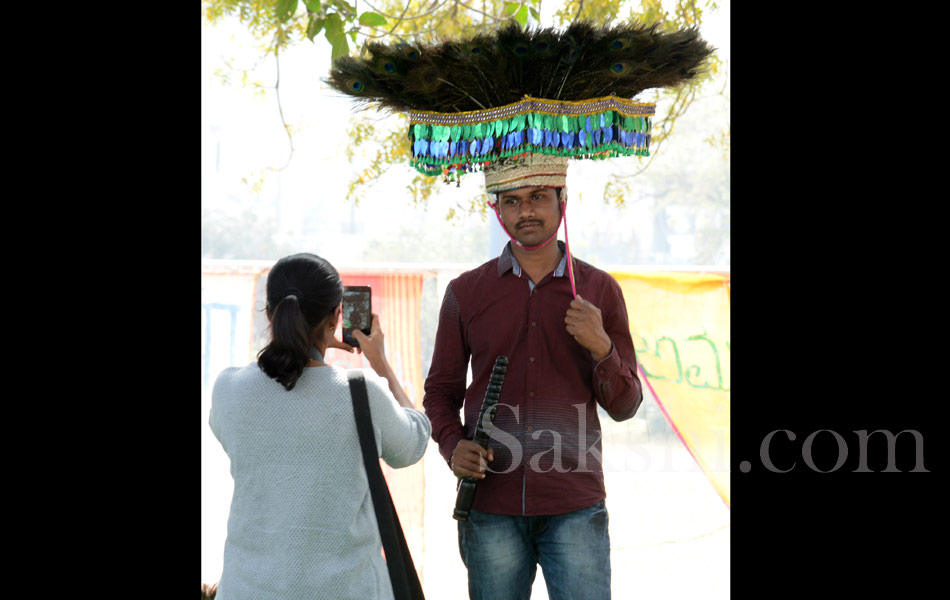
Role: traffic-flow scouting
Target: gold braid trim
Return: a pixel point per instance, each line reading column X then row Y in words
column 628, row 108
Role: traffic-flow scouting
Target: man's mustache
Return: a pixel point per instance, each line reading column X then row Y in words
column 528, row 222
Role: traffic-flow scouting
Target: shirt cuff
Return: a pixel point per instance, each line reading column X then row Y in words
column 448, row 447
column 608, row 365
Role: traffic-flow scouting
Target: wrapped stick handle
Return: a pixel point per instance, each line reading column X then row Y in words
column 486, row 417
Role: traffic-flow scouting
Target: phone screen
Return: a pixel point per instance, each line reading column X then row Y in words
column 357, row 311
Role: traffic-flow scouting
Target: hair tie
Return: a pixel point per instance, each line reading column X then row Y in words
column 294, row 292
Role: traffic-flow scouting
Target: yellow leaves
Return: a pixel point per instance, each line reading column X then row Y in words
column 685, row 13
column 260, row 17
column 257, row 185
column 613, row 193
column 476, row 205
column 651, row 11
column 594, row 10
column 420, row 189
column 723, row 141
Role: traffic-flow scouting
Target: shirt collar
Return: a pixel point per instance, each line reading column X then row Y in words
column 508, row 262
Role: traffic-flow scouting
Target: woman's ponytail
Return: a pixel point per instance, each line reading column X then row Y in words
column 289, row 350
column 302, row 291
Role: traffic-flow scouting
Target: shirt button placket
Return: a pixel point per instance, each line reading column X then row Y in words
column 532, row 349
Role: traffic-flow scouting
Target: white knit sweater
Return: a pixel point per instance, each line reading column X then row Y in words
column 302, row 523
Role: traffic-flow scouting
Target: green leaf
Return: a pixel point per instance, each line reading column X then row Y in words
column 511, row 7
column 336, row 37
column 535, row 14
column 286, row 9
column 312, row 5
column 372, row 19
column 345, row 6
column 341, row 49
column 314, row 26
column 522, row 15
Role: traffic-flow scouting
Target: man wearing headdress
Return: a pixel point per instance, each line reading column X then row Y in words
column 540, row 493
column 517, row 105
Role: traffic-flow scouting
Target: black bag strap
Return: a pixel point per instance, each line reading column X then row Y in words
column 402, row 571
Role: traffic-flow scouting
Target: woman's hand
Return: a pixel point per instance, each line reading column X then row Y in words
column 374, row 350
column 335, row 343
column 372, row 346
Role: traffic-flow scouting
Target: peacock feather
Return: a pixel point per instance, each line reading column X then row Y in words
column 580, row 62
column 498, row 96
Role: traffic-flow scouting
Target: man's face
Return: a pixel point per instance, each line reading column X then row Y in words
column 531, row 214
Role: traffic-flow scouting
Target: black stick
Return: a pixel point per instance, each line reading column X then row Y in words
column 466, row 490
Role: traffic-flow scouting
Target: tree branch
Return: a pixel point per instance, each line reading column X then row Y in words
column 402, row 17
column 344, row 8
column 656, row 150
column 280, row 109
column 481, row 12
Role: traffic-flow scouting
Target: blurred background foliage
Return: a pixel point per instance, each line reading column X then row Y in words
column 278, row 24
column 681, row 191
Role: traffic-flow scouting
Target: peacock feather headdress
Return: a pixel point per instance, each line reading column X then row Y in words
column 523, row 96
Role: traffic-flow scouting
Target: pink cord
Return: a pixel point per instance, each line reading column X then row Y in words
column 567, row 246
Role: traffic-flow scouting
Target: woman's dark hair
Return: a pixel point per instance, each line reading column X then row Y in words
column 302, row 290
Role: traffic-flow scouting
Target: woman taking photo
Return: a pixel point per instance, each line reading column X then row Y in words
column 302, row 523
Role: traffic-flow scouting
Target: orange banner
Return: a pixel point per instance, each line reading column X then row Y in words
column 396, row 298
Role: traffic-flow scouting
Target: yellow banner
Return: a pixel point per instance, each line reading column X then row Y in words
column 680, row 328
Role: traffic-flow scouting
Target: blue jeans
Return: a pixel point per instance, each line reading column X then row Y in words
column 502, row 552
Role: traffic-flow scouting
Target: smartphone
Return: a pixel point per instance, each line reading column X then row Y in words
column 357, row 311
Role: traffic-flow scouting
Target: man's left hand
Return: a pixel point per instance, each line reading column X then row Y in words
column 586, row 324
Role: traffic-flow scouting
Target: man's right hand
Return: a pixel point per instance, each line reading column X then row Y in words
column 470, row 459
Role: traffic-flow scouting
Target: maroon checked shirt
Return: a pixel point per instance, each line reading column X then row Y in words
column 546, row 435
